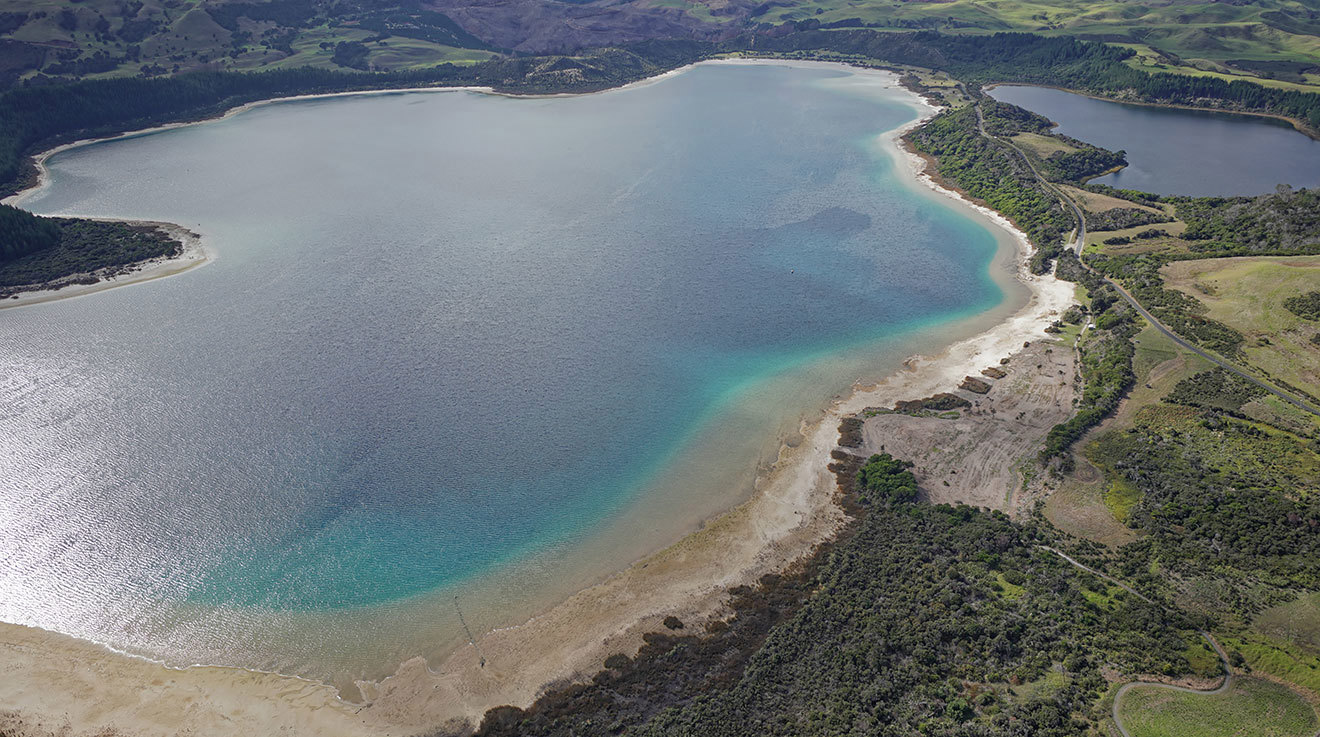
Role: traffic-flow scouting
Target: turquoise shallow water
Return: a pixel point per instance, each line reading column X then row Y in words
column 449, row 344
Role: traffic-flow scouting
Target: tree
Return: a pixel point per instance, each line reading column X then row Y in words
column 887, row 479
column 22, row 233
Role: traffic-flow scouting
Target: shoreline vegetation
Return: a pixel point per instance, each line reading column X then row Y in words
column 793, row 512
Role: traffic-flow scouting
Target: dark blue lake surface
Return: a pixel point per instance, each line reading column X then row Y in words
column 1173, row 151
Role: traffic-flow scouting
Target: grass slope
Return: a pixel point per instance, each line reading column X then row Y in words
column 96, row 39
column 1297, row 621
column 1247, row 294
column 1252, row 707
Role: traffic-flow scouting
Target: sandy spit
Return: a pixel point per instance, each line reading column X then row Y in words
column 57, row 684
column 192, row 254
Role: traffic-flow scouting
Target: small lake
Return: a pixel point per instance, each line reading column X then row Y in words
column 1174, row 151
column 454, row 344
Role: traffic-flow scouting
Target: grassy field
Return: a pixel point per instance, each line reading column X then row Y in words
column 1042, row 146
column 1151, row 60
column 1095, row 202
column 1095, row 239
column 1297, row 622
column 1078, row 508
column 941, row 84
column 1247, row 294
column 1204, row 661
column 1041, row 688
column 1119, row 498
column 1158, row 364
column 1252, row 707
column 314, row 48
column 1278, row 658
column 695, row 9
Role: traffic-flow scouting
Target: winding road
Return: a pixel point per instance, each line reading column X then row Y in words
column 1080, row 243
column 1118, row 695
column 1077, row 246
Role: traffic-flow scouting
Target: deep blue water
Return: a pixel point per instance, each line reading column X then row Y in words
column 443, row 333
column 1173, row 151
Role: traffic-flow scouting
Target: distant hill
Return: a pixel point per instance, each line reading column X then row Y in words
column 1277, row 41
column 97, row 38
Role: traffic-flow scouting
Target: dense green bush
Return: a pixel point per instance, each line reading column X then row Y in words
column 1282, row 222
column 1219, row 495
column 1119, row 218
column 1305, row 306
column 887, row 479
column 1089, row 161
column 351, row 54
column 1215, row 388
column 920, row 620
column 910, row 632
column 1105, row 361
column 22, row 233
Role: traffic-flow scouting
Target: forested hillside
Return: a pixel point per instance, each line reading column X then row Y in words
column 1270, row 38
column 22, row 233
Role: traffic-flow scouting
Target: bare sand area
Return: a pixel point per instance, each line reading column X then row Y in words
column 58, row 685
column 977, row 457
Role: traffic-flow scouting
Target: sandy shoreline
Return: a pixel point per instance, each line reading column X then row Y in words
column 58, row 682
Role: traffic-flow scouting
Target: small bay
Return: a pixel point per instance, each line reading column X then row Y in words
column 454, row 345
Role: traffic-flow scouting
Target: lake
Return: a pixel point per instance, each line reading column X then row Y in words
column 454, row 345
column 1175, row 151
